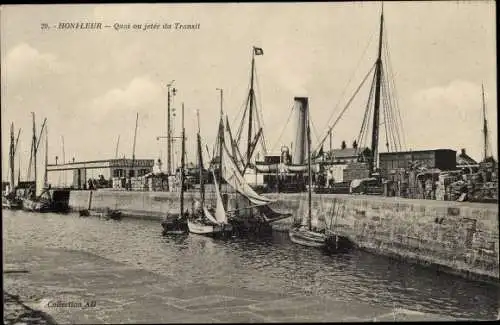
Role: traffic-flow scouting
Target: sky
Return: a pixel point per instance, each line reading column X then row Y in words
column 90, row 84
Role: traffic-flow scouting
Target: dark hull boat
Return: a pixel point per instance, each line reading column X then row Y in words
column 56, row 200
column 338, row 244
column 114, row 214
column 176, row 226
column 12, row 203
column 36, row 205
column 109, row 214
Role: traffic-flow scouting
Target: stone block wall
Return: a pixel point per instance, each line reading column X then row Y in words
column 460, row 237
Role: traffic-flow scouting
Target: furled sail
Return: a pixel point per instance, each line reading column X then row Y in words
column 41, row 164
column 220, row 214
column 209, row 216
column 233, row 177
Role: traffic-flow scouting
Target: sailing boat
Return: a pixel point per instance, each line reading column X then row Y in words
column 305, row 235
column 179, row 225
column 202, row 221
column 39, row 200
column 10, row 200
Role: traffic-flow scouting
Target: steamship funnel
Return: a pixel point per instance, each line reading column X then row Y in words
column 300, row 144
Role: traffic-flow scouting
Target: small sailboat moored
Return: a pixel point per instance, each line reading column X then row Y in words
column 178, row 225
column 10, row 199
column 303, row 234
column 39, row 198
column 202, row 220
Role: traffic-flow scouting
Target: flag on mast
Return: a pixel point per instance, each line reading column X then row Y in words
column 258, row 51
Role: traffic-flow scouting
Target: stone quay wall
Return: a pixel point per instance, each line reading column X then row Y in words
column 457, row 237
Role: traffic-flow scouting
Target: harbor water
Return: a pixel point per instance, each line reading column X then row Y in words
column 271, row 263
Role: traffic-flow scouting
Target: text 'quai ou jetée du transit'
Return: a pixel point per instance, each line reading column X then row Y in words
column 117, row 26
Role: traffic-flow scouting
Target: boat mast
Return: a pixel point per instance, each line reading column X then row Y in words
column 15, row 151
column 133, row 151
column 169, row 131
column 183, row 150
column 11, row 157
column 34, row 148
column 309, row 170
column 251, row 98
column 45, row 178
column 221, row 137
column 200, row 160
column 485, row 126
column 376, row 110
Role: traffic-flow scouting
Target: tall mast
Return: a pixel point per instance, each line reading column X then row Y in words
column 330, row 135
column 34, row 147
column 221, row 137
column 485, row 126
column 251, row 97
column 169, row 130
column 183, row 150
column 200, row 160
column 133, row 148
column 14, row 155
column 309, row 171
column 45, row 178
column 11, row 157
column 376, row 110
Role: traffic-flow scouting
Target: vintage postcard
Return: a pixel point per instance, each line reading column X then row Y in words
column 249, row 162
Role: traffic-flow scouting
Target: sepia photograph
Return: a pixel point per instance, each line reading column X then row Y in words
column 249, row 162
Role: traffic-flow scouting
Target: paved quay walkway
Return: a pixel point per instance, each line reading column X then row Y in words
column 78, row 287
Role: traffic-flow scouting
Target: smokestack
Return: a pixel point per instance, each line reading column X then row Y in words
column 300, row 108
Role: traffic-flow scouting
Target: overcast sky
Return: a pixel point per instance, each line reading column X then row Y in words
column 89, row 84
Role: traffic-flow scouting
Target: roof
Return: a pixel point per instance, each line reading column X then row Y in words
column 464, row 159
column 347, row 152
column 415, row 151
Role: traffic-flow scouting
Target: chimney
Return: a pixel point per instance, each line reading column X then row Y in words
column 463, row 152
column 300, row 107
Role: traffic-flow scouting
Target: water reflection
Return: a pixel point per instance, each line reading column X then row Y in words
column 271, row 263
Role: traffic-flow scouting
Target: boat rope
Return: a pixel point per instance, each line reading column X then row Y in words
column 391, row 131
column 315, row 131
column 283, row 130
column 260, row 115
column 366, row 119
column 396, row 124
column 386, row 114
column 394, row 91
column 346, row 107
column 347, row 85
column 244, row 108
